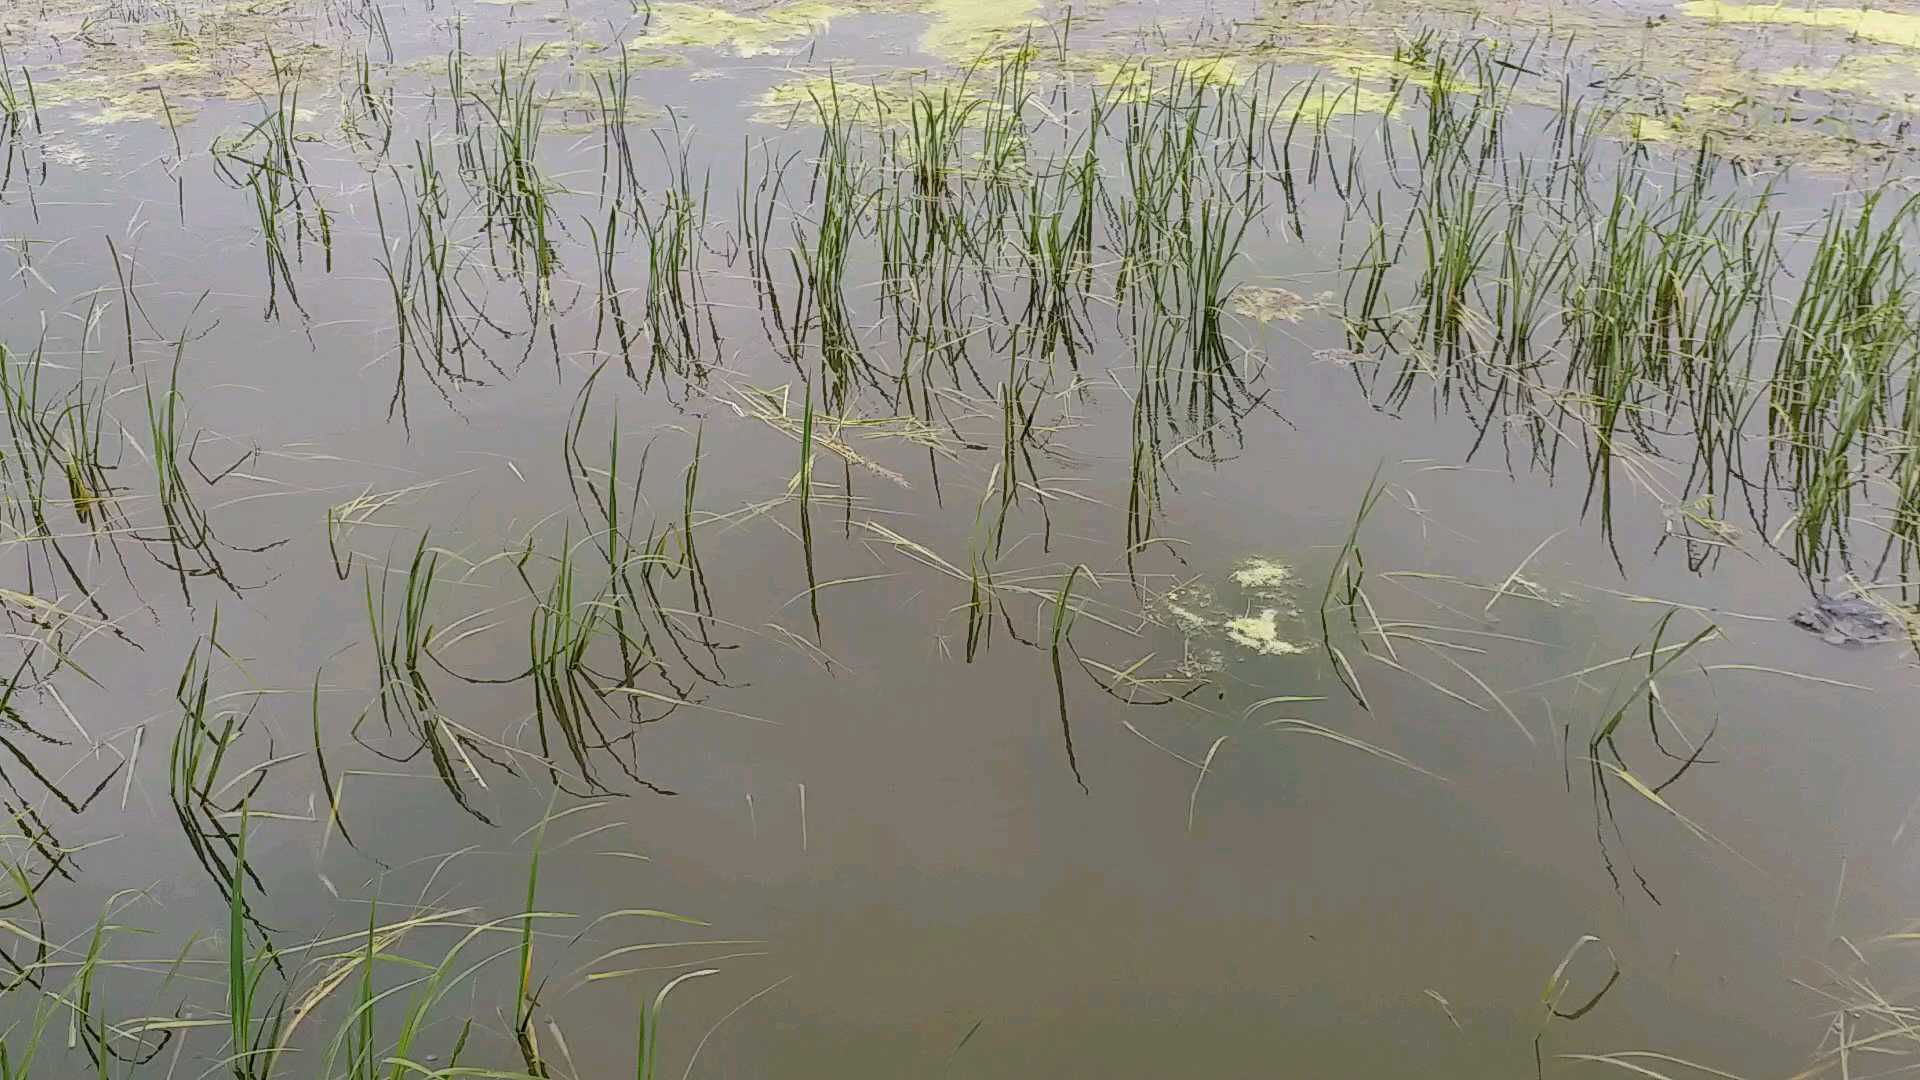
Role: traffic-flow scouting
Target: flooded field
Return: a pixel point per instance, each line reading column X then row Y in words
column 568, row 538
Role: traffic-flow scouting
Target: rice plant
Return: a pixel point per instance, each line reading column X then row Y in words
column 676, row 306
column 500, row 162
column 264, row 160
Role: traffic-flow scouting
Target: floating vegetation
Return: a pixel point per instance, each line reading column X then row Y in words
column 1269, row 305
column 763, row 32
column 1259, row 622
column 1891, row 27
column 960, row 31
column 1260, row 633
column 1262, row 574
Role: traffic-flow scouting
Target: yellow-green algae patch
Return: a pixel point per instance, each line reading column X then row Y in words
column 1873, row 24
column 1324, row 103
column 1260, row 633
column 155, row 92
column 1711, row 75
column 1888, row 79
column 1379, row 67
column 962, row 30
column 1262, row 574
column 700, row 26
column 1821, row 144
column 129, row 93
column 111, row 70
column 1135, row 78
column 875, row 98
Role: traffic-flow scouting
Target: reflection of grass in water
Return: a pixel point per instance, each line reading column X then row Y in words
column 185, row 542
column 385, row 997
column 203, row 747
column 1062, row 627
column 1345, row 584
column 1607, row 737
column 404, row 698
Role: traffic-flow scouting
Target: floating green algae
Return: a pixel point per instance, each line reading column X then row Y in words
column 1192, row 609
column 873, row 98
column 113, row 69
column 1261, row 574
column 1260, row 633
column 1136, row 78
column 1376, row 66
column 963, row 30
column 1889, row 27
column 1321, row 93
column 700, row 26
column 1821, row 144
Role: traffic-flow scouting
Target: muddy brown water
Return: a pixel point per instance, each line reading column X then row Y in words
column 887, row 835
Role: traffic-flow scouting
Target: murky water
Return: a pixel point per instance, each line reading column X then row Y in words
column 1077, row 721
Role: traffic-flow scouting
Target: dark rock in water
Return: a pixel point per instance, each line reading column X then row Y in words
column 1850, row 620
